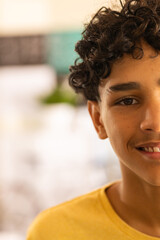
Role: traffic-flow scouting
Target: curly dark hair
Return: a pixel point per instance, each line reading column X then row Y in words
column 107, row 37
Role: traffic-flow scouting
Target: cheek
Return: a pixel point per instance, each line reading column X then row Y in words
column 119, row 132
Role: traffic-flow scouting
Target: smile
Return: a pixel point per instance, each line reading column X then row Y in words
column 150, row 152
column 149, row 149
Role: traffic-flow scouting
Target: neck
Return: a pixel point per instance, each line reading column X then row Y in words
column 139, row 194
column 137, row 203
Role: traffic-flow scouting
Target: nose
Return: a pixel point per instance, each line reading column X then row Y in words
column 151, row 118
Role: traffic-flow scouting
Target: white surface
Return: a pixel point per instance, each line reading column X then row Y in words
column 10, row 236
column 19, row 17
column 49, row 154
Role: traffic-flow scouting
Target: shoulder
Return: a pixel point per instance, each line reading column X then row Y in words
column 64, row 216
column 85, row 217
column 67, row 208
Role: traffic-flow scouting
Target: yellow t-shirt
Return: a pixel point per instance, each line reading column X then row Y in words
column 88, row 217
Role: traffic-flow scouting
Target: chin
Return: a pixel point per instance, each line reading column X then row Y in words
column 153, row 180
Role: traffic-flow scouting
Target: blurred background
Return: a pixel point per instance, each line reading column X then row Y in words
column 49, row 150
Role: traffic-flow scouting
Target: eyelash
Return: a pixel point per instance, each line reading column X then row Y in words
column 126, row 98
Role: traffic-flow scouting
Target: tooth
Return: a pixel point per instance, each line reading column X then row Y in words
column 146, row 149
column 151, row 149
column 156, row 149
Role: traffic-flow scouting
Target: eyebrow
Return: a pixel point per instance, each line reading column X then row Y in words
column 124, row 87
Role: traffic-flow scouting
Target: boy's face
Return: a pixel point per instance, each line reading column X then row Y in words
column 129, row 114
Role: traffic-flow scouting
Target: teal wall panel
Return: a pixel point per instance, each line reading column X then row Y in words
column 61, row 52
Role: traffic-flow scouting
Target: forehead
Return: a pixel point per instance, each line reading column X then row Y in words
column 136, row 70
column 145, row 72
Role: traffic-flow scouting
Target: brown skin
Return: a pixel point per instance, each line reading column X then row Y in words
column 136, row 199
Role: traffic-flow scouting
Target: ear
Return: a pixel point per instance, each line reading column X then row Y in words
column 94, row 111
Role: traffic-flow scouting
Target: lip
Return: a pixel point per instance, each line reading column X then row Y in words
column 150, row 155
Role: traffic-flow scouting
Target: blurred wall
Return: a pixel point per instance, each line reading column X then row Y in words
column 42, row 16
column 35, row 172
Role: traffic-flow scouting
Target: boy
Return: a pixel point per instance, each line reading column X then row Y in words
column 119, row 74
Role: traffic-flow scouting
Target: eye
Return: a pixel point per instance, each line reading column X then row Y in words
column 127, row 101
